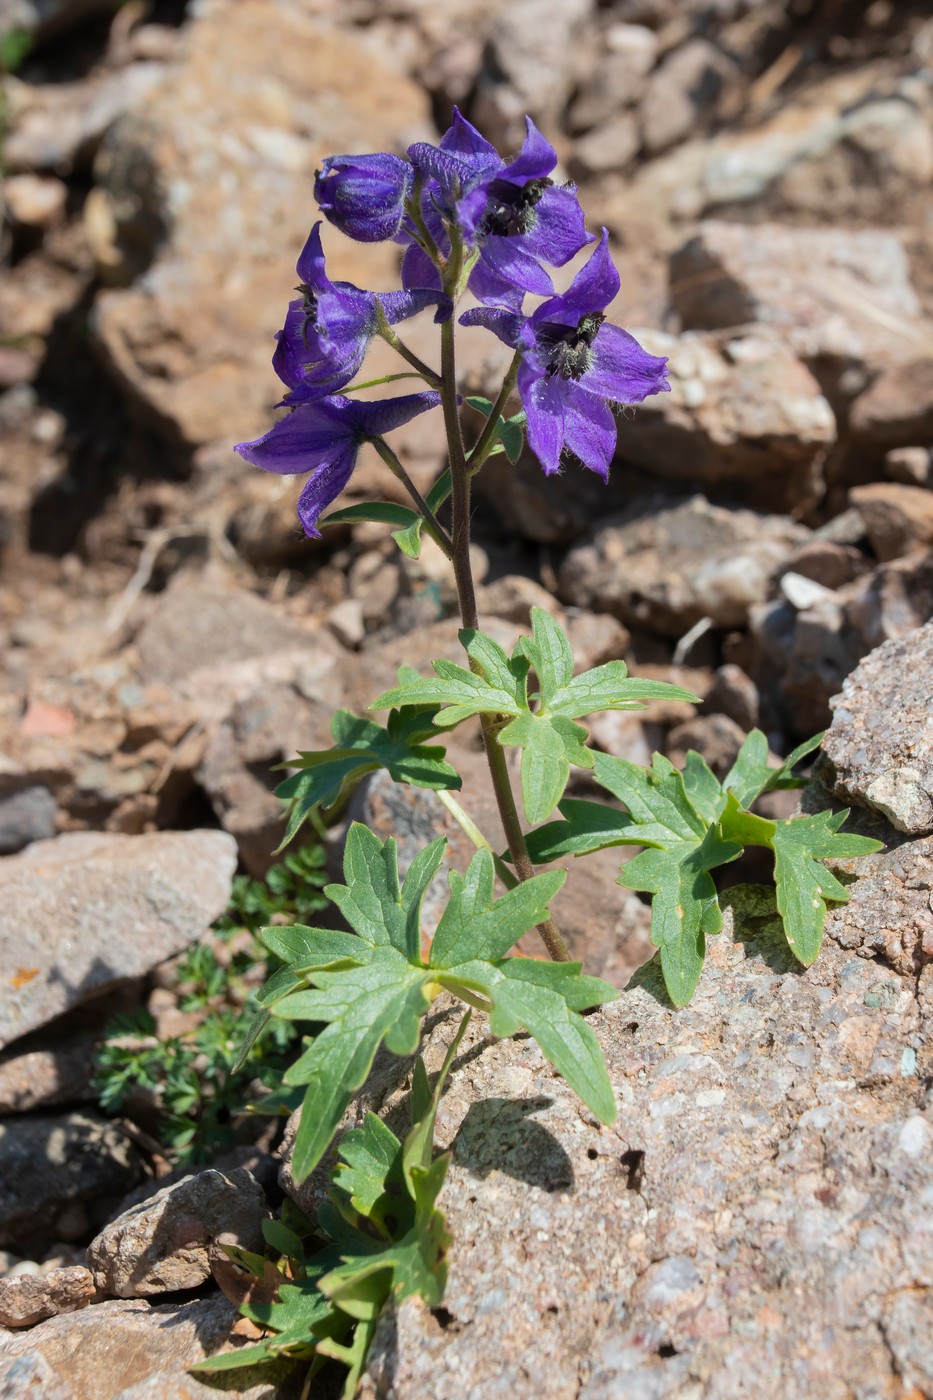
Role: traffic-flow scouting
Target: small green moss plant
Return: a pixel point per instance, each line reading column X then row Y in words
column 471, row 222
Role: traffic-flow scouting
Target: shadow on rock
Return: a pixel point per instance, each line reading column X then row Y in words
column 496, row 1135
column 758, row 927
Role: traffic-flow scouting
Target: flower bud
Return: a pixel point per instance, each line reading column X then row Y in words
column 364, row 196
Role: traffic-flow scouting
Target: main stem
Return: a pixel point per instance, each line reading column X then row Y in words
column 466, row 594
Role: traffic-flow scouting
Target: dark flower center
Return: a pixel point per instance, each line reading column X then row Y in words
column 309, row 308
column 510, row 209
column 567, row 349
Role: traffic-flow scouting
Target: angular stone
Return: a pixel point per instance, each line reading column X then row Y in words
column 99, row 1352
column 841, row 299
column 30, row 1298
column 48, row 1165
column 744, row 416
column 30, row 1377
column 681, row 91
column 161, row 1245
column 212, row 183
column 632, row 1260
column 26, row 814
column 89, row 909
column 897, row 409
column 626, row 55
column 666, row 568
column 880, row 742
column 898, row 518
column 890, row 914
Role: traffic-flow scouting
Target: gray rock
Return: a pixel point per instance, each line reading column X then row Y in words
column 164, row 183
column 666, row 568
column 682, row 91
column 610, row 146
column 842, row 299
column 777, row 1127
column 898, row 518
column 889, row 915
column 26, row 814
column 533, row 46
column 30, row 1377
column 911, row 465
column 734, row 694
column 30, row 1298
column 281, row 1381
column 744, row 416
column 59, row 127
column 42, row 1076
column 897, row 409
column 880, row 742
column 161, row 1245
column 49, row 1165
column 626, row 55
column 101, row 1351
column 88, row 910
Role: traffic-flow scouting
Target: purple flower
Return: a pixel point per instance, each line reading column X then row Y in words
column 513, row 214
column 328, row 328
column 323, row 438
column 574, row 364
column 364, row 196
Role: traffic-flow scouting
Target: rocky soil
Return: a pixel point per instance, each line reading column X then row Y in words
column 759, row 1220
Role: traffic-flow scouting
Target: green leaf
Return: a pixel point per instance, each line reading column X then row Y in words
column 656, row 798
column 751, row 775
column 370, row 1165
column 685, row 907
column 303, row 947
column 372, row 902
column 544, row 998
column 703, row 787
column 362, row 1006
column 548, row 650
column 382, row 512
column 362, row 747
column 281, row 1238
column 588, row 826
column 803, row 885
column 409, row 540
column 508, row 430
column 474, row 925
column 549, row 746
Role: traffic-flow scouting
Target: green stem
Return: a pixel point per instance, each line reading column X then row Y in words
column 383, row 379
column 469, row 826
column 433, row 526
column 487, row 437
column 466, row 593
column 385, row 331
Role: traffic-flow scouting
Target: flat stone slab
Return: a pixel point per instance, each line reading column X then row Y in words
column 880, row 742
column 87, row 910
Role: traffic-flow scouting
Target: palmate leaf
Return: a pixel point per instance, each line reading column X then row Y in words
column 498, row 685
column 408, row 523
column 361, row 747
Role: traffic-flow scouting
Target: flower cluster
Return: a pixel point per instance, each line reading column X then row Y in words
column 469, row 221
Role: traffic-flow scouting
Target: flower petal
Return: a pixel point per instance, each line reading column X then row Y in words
column 589, row 428
column 487, row 286
column 323, row 488
column 378, row 416
column 364, row 196
column 536, row 160
column 594, row 287
column 310, row 267
column 545, row 410
column 512, row 265
column 507, row 325
column 310, row 436
column 398, row 306
column 622, row 371
column 559, row 230
column 418, row 271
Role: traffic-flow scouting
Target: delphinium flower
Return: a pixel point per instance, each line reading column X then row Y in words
column 328, row 328
column 511, row 215
column 573, row 364
column 323, row 437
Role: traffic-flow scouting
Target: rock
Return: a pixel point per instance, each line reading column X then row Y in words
column 49, row 1165
column 532, row 50
column 735, row 695
column 87, row 910
column 34, row 201
column 666, row 567
column 827, row 563
column 806, row 655
column 44, row 19
column 610, row 146
column 49, row 1074
column 855, row 146
column 281, row 1381
column 879, row 745
column 30, row 1377
column 682, row 91
column 897, row 409
column 101, row 1351
column 889, row 915
column 744, row 417
column 29, row 1299
column 161, row 1245
column 26, row 814
column 716, row 738
column 627, row 53
column 842, row 299
column 911, row 465
column 58, row 127
column 211, row 185
column 898, row 518
column 655, row 1254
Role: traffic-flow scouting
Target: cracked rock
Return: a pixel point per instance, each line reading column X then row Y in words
column 880, row 743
